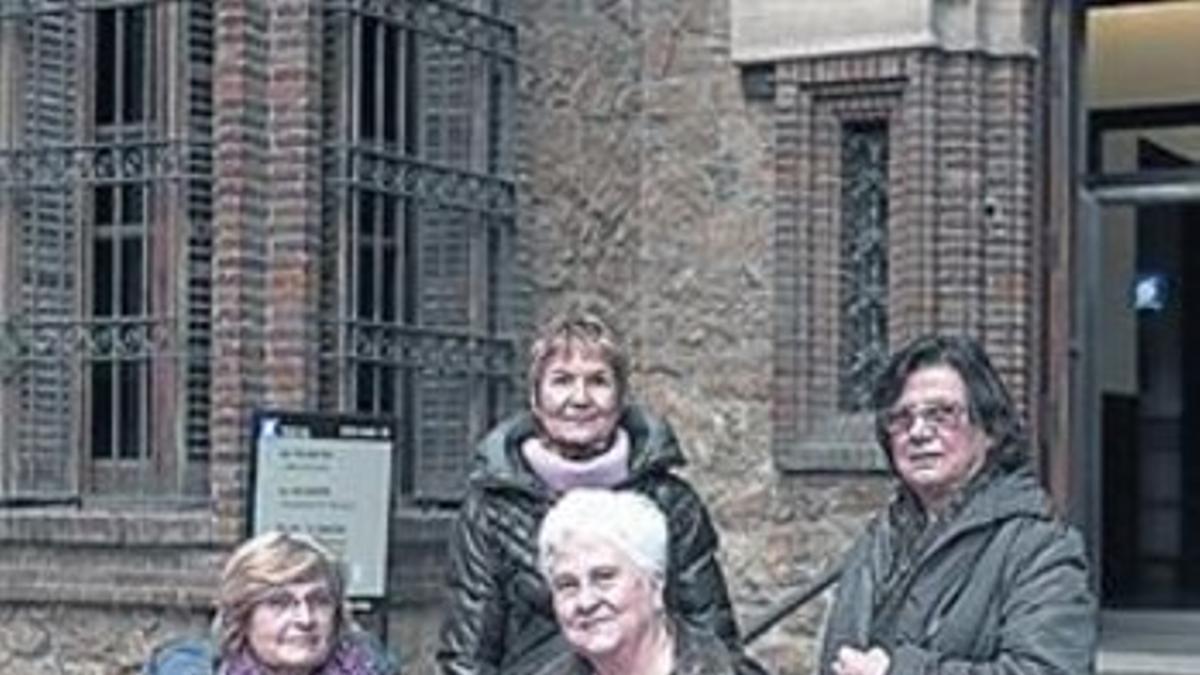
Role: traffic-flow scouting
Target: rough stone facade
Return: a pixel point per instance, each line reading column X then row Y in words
column 41, row 639
column 650, row 176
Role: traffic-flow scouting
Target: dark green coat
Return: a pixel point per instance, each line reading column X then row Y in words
column 499, row 615
column 1000, row 586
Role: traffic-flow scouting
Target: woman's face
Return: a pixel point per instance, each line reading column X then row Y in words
column 291, row 627
column 576, row 400
column 603, row 601
column 935, row 447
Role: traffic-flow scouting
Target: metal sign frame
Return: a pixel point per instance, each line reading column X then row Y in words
column 328, row 475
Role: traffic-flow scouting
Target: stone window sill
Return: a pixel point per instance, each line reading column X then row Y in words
column 840, row 443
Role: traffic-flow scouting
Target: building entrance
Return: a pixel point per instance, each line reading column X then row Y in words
column 1150, row 406
column 1143, row 166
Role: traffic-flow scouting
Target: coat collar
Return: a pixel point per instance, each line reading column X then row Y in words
column 499, row 464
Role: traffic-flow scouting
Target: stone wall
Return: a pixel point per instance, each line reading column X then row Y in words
column 40, row 639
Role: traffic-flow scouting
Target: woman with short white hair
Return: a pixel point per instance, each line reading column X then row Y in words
column 604, row 555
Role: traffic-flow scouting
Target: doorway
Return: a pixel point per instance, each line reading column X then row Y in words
column 1149, row 383
column 1143, row 367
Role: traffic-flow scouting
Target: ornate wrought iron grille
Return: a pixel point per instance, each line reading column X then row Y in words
column 863, row 291
column 420, row 225
column 103, row 336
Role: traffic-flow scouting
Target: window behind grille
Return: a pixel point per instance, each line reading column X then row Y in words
column 106, row 332
column 863, row 347
column 420, row 229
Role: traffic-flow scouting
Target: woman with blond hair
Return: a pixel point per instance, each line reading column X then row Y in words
column 281, row 610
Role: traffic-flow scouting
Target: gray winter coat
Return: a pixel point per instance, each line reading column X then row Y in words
column 499, row 616
column 999, row 586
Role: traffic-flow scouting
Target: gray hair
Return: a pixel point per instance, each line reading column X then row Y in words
column 630, row 521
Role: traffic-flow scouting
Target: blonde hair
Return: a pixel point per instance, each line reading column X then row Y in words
column 580, row 325
column 267, row 561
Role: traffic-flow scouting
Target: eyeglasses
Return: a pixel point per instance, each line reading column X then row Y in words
column 280, row 601
column 937, row 415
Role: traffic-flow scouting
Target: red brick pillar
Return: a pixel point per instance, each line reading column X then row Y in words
column 294, row 192
column 239, row 257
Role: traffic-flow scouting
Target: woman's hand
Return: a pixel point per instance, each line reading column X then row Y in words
column 851, row 661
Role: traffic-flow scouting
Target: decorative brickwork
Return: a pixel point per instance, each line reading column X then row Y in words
column 960, row 222
column 294, row 227
column 240, row 257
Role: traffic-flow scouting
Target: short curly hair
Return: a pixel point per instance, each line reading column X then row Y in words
column 579, row 325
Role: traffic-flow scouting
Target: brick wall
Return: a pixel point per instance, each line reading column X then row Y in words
column 959, row 225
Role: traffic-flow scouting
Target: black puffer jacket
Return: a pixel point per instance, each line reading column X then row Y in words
column 499, row 615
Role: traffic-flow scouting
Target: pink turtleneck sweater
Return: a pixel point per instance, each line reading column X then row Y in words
column 560, row 474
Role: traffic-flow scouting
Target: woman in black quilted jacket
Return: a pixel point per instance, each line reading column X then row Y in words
column 580, row 431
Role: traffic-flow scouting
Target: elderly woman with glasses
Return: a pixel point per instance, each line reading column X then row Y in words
column 967, row 570
column 604, row 555
column 281, row 610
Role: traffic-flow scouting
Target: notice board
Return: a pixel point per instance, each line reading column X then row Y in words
column 329, row 476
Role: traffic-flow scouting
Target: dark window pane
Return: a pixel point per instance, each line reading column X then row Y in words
column 387, row 390
column 104, row 206
column 366, row 282
column 411, row 264
column 366, row 81
column 129, row 433
column 106, row 66
column 148, row 411
column 497, row 110
column 133, row 204
column 494, row 261
column 365, row 394
column 389, row 283
column 102, row 278
column 412, row 109
column 497, row 394
column 391, row 86
column 134, row 49
column 366, row 213
column 864, row 278
column 102, row 399
column 132, row 281
column 388, row 226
